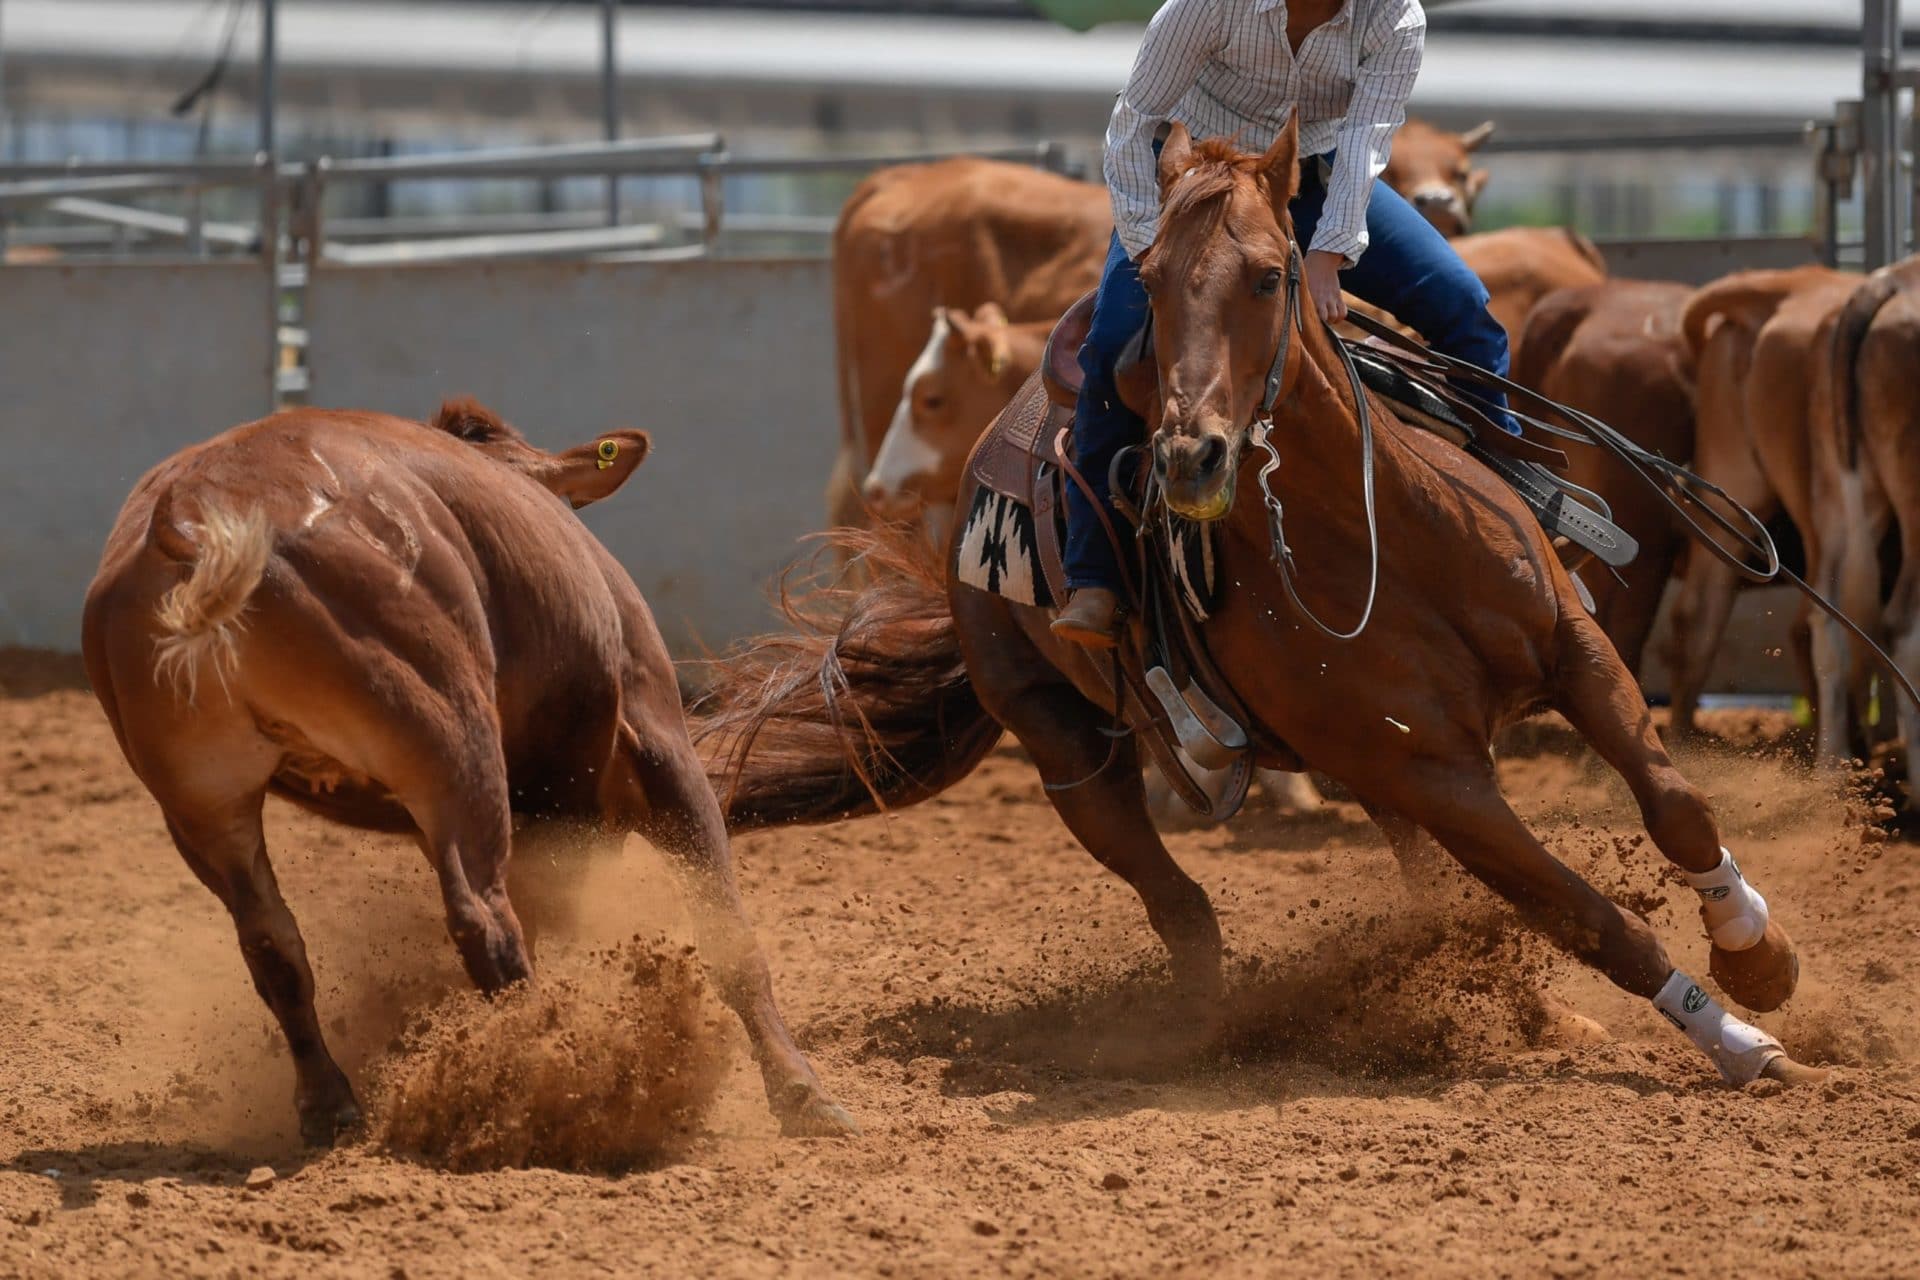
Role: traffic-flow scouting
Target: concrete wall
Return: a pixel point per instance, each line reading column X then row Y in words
column 104, row 371
column 729, row 364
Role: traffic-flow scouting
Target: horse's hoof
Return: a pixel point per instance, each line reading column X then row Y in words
column 1565, row 1029
column 1764, row 975
column 324, row 1124
column 817, row 1116
column 1791, row 1073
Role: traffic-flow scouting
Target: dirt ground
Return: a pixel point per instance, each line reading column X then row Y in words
column 1377, row 1097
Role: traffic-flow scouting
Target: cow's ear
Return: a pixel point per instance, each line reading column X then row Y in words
column 1475, row 138
column 589, row 472
column 988, row 347
column 1476, row 183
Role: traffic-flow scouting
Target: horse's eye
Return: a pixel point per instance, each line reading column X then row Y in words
column 1269, row 284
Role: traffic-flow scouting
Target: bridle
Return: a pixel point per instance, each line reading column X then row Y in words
column 1261, row 434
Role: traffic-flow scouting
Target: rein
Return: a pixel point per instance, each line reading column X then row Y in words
column 1262, row 437
column 1680, row 489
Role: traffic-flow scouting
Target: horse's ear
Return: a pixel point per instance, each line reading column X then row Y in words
column 1281, row 164
column 1176, row 157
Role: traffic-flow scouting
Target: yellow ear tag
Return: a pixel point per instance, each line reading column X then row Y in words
column 999, row 365
column 609, row 450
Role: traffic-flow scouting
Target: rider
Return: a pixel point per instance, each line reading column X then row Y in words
column 1238, row 69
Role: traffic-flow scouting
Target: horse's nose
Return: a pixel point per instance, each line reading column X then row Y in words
column 1192, row 458
column 1196, row 473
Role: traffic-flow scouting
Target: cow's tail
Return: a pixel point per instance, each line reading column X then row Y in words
column 1746, row 298
column 1586, row 249
column 1549, row 327
column 1849, row 332
column 200, row 617
column 863, row 706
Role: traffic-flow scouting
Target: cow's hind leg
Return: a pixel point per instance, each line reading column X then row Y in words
column 466, row 831
column 225, row 846
column 1457, row 799
column 659, row 787
column 1752, row 956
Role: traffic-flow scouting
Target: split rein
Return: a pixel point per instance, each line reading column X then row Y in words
column 1680, row 489
column 1261, row 435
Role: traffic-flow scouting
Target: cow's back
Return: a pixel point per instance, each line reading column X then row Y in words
column 953, row 233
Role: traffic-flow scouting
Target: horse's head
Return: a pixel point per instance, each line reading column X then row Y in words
column 1224, row 279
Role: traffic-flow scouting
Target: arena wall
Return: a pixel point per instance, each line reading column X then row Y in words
column 104, row 371
column 728, row 363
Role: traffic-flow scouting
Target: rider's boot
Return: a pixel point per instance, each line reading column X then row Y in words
column 1091, row 619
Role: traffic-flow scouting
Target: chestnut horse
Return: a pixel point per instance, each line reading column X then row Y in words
column 1474, row 625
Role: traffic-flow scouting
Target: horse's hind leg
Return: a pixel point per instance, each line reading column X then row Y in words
column 1752, row 955
column 658, row 786
column 1458, row 800
column 222, row 841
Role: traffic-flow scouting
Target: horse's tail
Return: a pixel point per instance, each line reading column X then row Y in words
column 1586, row 249
column 199, row 617
column 865, row 705
column 1849, row 331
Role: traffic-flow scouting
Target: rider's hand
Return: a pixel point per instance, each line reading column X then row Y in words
column 1323, row 285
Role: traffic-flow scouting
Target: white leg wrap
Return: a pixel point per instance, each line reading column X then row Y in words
column 1735, row 913
column 1740, row 1050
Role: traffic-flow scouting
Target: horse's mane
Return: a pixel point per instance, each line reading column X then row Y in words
column 465, row 418
column 1213, row 174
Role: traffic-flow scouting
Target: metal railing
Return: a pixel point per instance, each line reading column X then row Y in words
column 293, row 236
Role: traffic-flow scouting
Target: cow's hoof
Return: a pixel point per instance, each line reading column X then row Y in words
column 814, row 1115
column 1764, row 975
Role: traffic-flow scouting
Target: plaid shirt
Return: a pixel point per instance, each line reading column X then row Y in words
column 1224, row 68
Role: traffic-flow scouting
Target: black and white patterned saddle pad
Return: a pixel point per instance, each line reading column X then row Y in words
column 999, row 553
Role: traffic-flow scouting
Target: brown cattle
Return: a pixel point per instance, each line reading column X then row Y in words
column 1614, row 350
column 1434, row 170
column 401, row 627
column 1876, row 407
column 959, row 233
column 955, row 233
column 1757, row 342
column 1521, row 265
column 969, row 369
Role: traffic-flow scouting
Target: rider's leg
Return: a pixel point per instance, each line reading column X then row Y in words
column 1102, row 427
column 1410, row 269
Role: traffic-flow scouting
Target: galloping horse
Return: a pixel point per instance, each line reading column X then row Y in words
column 1474, row 624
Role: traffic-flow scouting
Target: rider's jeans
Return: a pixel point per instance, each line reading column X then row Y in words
column 1408, row 269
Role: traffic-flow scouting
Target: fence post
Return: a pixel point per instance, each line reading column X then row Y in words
column 1880, row 130
column 1834, row 167
column 270, row 262
column 713, row 203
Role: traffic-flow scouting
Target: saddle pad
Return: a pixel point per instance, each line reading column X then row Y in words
column 998, row 551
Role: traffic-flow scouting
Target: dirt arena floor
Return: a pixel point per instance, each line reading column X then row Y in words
column 1383, row 1094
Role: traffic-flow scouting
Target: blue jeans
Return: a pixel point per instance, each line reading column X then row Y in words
column 1408, row 268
